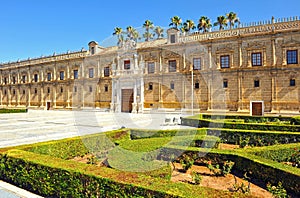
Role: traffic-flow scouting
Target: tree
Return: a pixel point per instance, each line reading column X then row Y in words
column 189, row 25
column 204, row 24
column 148, row 25
column 221, row 22
column 118, row 31
column 175, row 21
column 130, row 32
column 232, row 19
column 159, row 32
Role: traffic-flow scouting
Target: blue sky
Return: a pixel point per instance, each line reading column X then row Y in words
column 31, row 28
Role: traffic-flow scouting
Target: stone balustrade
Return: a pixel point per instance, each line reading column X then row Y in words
column 255, row 28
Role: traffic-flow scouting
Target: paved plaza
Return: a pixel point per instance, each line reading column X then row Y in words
column 39, row 126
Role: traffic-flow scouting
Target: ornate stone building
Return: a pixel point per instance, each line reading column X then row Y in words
column 251, row 69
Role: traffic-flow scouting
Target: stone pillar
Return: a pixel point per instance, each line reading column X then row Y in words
column 18, row 95
column 240, row 54
column 29, row 96
column 240, row 91
column 68, row 95
column 273, row 93
column 54, row 96
column 273, row 52
column 141, row 102
column 209, row 92
column 209, row 57
column 42, row 95
column 134, row 105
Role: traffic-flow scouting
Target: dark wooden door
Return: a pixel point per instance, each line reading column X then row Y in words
column 257, row 108
column 48, row 105
column 127, row 100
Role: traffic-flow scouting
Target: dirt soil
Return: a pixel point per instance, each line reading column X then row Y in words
column 220, row 183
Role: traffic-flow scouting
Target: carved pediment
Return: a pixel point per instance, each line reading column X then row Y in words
column 224, row 48
column 255, row 45
column 291, row 43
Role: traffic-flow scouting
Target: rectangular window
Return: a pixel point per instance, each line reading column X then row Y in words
column 24, row 92
column 127, row 64
column 5, row 80
column 225, row 84
column 35, row 77
column 92, row 50
column 75, row 74
column 256, row 59
column 224, row 61
column 75, row 89
column 61, row 75
column 91, row 89
column 150, row 87
column 61, row 90
column 151, row 68
column 91, row 73
column 172, row 66
column 172, row 38
column 23, row 79
column 106, row 71
column 49, row 76
column 292, row 56
column 35, row 90
column 106, row 88
column 14, row 92
column 292, row 82
column 172, row 86
column 48, row 90
column 197, row 63
column 256, row 83
column 197, row 85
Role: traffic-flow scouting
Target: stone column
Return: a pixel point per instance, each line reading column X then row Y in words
column 18, row 95
column 68, row 95
column 54, row 96
column 29, row 96
column 240, row 54
column 240, row 91
column 273, row 52
column 141, row 102
column 42, row 95
column 209, row 57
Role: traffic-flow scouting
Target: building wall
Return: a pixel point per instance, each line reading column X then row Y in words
column 274, row 74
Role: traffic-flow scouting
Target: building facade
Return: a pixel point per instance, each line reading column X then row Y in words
column 251, row 69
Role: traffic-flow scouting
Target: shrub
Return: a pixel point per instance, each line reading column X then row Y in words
column 196, row 177
column 186, row 162
column 277, row 191
column 241, row 187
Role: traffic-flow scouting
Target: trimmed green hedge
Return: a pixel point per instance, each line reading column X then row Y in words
column 279, row 153
column 202, row 123
column 247, row 118
column 13, row 110
column 230, row 136
column 141, row 133
column 295, row 120
column 54, row 177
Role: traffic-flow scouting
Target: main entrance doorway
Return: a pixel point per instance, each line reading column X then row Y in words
column 48, row 105
column 127, row 100
column 257, row 108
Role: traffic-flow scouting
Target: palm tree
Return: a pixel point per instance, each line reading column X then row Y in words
column 159, row 32
column 232, row 19
column 148, row 36
column 130, row 31
column 135, row 35
column 204, row 24
column 189, row 25
column 118, row 31
column 148, row 25
column 221, row 22
column 175, row 21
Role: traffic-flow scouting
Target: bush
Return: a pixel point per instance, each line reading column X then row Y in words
column 13, row 110
column 196, row 177
column 277, row 191
column 186, row 162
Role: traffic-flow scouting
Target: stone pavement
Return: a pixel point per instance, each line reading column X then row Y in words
column 39, row 126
